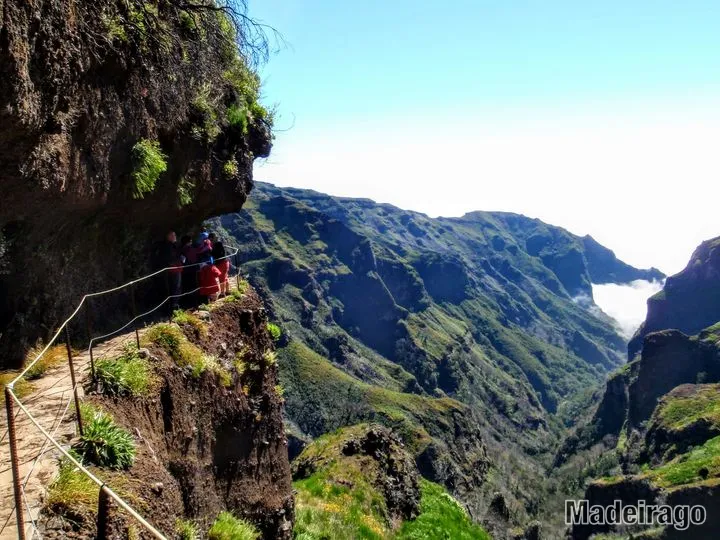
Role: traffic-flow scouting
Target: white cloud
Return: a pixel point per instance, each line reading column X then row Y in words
column 627, row 304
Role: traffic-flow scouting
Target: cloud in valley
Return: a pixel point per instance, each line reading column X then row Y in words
column 627, row 304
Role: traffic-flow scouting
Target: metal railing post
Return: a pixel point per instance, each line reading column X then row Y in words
column 17, row 489
column 134, row 313
column 237, row 267
column 103, row 513
column 72, row 380
column 88, row 328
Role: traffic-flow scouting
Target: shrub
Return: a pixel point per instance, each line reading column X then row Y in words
column 71, row 487
column 53, row 357
column 274, row 330
column 185, row 191
column 126, row 375
column 148, row 164
column 106, row 444
column 186, row 529
column 237, row 116
column 204, row 106
column 230, row 168
column 228, row 527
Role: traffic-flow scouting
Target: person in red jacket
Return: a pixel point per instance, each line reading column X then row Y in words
column 209, row 277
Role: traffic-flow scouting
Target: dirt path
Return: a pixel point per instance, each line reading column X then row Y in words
column 51, row 404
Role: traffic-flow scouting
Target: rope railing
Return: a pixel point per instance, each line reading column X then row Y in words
column 12, row 400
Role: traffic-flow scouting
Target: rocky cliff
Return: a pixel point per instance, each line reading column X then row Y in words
column 118, row 120
column 689, row 301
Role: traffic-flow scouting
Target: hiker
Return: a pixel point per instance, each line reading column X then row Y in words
column 209, row 278
column 203, row 245
column 222, row 262
column 169, row 257
column 187, row 250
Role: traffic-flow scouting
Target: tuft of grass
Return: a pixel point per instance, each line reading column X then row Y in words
column 21, row 389
column 71, row 488
column 106, row 444
column 275, row 331
column 53, row 357
column 229, row 527
column 205, row 106
column 126, row 375
column 269, row 358
column 185, row 317
column 148, row 164
column 187, row 530
column 441, row 516
column 170, row 338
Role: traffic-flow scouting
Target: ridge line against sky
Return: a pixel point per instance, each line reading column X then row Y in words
column 602, row 119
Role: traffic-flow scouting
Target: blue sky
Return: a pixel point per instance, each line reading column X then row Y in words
column 601, row 117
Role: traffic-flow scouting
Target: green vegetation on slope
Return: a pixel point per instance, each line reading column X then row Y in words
column 699, row 464
column 677, row 411
column 441, row 516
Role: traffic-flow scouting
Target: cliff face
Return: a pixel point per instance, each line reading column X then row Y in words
column 690, row 300
column 208, row 439
column 83, row 84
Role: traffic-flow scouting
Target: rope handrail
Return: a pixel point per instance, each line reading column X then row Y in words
column 12, row 398
column 11, row 384
column 87, row 473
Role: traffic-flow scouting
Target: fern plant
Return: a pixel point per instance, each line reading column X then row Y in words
column 148, row 164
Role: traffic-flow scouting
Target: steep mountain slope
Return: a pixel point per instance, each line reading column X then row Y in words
column 690, row 300
column 659, row 413
column 395, row 311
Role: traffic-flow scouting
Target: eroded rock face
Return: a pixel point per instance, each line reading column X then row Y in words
column 690, row 300
column 205, row 446
column 78, row 91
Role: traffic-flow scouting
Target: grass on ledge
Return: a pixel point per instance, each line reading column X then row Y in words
column 125, row 375
column 71, row 489
column 171, row 339
column 53, row 357
column 678, row 411
column 229, row 527
column 699, row 464
column 103, row 442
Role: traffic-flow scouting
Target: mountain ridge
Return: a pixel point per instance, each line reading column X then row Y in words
column 398, row 312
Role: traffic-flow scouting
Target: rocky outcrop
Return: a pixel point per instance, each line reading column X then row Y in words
column 82, row 84
column 689, row 301
column 379, row 456
column 669, row 359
